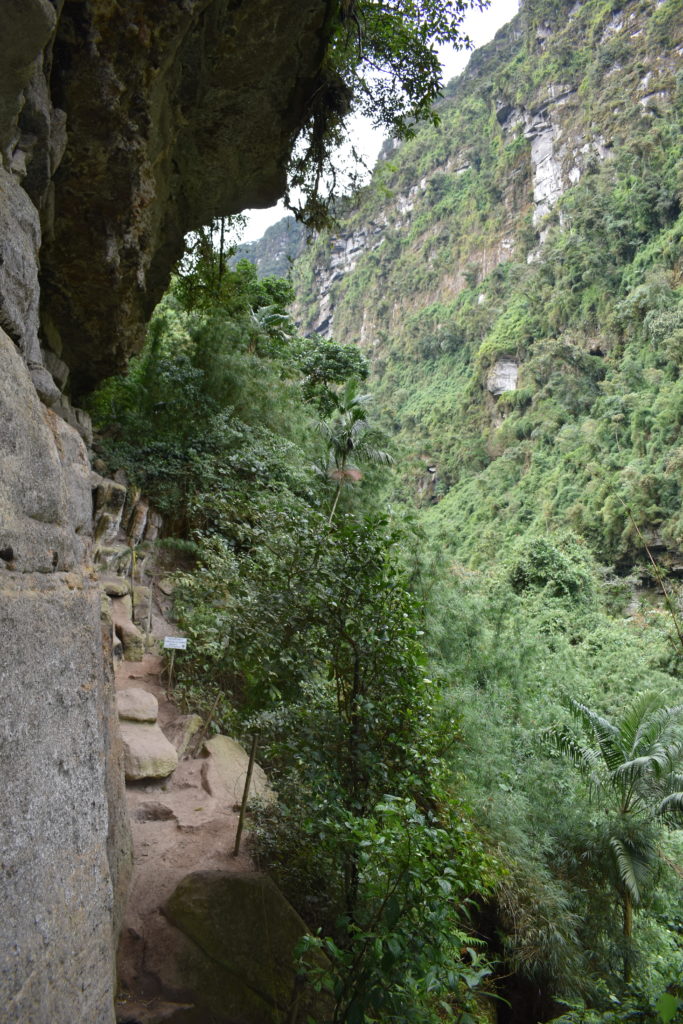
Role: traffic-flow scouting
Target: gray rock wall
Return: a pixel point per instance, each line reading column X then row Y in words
column 64, row 841
column 32, row 140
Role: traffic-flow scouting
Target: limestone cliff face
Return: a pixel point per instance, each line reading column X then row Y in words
column 122, row 126
column 274, row 253
column 502, row 271
column 483, row 188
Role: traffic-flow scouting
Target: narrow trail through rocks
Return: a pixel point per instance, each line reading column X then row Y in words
column 181, row 824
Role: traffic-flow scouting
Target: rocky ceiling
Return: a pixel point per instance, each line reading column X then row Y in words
column 176, row 111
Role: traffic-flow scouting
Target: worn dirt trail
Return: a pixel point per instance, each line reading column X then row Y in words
column 181, row 824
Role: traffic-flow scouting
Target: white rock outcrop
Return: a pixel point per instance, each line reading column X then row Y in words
column 502, row 377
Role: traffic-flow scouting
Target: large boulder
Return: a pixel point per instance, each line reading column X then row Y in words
column 131, row 638
column 147, row 753
column 132, row 641
column 225, row 771
column 137, row 705
column 241, row 963
column 115, row 586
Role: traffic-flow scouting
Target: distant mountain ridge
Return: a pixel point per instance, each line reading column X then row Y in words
column 274, row 253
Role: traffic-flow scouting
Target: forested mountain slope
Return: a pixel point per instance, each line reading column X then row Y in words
column 514, row 275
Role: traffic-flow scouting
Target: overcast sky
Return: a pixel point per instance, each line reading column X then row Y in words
column 481, row 26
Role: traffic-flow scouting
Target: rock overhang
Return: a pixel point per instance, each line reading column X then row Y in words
column 176, row 113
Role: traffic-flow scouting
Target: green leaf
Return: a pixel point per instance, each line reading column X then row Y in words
column 356, row 1012
column 666, row 1006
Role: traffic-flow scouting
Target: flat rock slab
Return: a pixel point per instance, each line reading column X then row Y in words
column 147, row 752
column 130, row 636
column 137, row 705
column 225, row 771
column 154, row 810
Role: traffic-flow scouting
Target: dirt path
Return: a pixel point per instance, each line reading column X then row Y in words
column 181, row 824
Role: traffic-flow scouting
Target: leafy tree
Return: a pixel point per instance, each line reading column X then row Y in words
column 382, row 60
column 348, row 436
column 205, row 282
column 325, row 364
column 634, row 769
column 361, row 839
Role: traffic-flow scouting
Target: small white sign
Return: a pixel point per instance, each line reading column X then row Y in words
column 175, row 643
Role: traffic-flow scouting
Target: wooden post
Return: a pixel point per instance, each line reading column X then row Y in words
column 170, row 673
column 132, row 581
column 245, row 795
column 149, row 617
column 199, row 739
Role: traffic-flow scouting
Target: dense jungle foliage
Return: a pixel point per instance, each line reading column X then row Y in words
column 466, row 683
column 258, row 447
column 427, row 827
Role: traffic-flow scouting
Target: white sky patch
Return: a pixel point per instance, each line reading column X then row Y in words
column 480, row 26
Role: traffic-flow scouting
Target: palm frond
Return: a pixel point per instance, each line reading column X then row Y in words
column 637, row 716
column 658, row 723
column 672, row 782
column 324, row 428
column 606, row 734
column 351, row 398
column 647, row 766
column 585, row 759
column 376, row 456
column 634, row 864
column 671, row 804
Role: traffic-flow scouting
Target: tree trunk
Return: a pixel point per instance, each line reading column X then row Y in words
column 334, row 506
column 355, row 783
column 628, row 936
column 221, row 254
